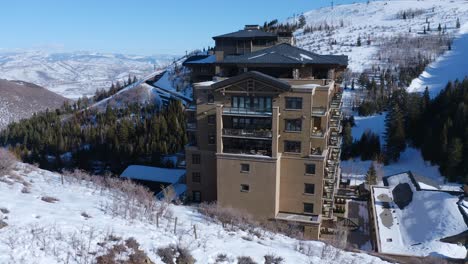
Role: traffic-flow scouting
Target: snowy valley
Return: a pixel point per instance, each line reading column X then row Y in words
column 76, row 74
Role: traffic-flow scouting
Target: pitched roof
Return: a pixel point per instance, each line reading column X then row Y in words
column 200, row 59
column 248, row 34
column 255, row 75
column 154, row 174
column 285, row 54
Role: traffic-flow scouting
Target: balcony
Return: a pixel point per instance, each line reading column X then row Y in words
column 262, row 112
column 316, row 151
column 319, row 111
column 247, row 146
column 327, row 210
column 335, row 141
column 317, row 133
column 336, row 101
column 248, row 133
column 328, row 193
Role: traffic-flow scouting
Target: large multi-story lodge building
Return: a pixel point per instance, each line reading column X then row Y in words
column 265, row 128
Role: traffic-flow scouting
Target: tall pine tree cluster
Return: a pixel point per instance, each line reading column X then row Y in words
column 439, row 127
column 99, row 141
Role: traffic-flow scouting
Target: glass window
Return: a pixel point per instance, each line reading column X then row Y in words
column 196, row 177
column 196, row 195
column 293, row 124
column 245, row 167
column 196, row 159
column 245, row 188
column 309, row 188
column 292, row 146
column 211, row 139
column 310, row 169
column 293, row 103
column 308, row 208
column 210, row 98
column 212, row 119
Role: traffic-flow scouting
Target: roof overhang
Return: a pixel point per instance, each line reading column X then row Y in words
column 271, row 81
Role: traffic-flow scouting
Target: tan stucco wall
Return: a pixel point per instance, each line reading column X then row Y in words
column 262, row 199
column 293, row 178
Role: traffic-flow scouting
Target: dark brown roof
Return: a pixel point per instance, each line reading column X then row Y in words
column 248, row 34
column 285, row 54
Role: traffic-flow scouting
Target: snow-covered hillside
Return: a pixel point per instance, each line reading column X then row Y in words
column 375, row 21
column 20, row 100
column 75, row 221
column 75, row 74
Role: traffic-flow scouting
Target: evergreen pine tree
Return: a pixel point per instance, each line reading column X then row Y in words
column 458, row 23
column 371, row 176
column 439, row 28
column 395, row 140
column 358, row 42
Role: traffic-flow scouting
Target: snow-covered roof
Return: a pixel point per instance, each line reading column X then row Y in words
column 205, row 59
column 154, row 174
column 418, row 228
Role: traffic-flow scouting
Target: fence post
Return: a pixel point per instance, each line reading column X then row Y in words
column 195, row 231
column 157, row 220
column 175, row 225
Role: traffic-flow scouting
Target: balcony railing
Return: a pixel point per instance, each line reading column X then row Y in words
column 247, row 133
column 256, row 152
column 316, row 151
column 317, row 133
column 247, row 111
column 319, row 111
column 335, row 141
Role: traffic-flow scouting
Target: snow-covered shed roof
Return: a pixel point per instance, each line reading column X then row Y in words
column 154, row 174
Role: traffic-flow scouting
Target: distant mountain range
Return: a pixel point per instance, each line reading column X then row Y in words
column 20, row 100
column 74, row 74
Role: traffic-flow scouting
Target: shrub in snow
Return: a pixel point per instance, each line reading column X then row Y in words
column 4, row 210
column 167, row 254
column 49, row 199
column 85, row 215
column 129, row 200
column 175, row 255
column 221, row 258
column 272, row 259
column 7, row 161
column 232, row 218
column 3, row 224
column 128, row 252
column 245, row 260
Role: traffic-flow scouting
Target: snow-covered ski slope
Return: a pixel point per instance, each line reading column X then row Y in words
column 75, row 227
column 373, row 21
column 449, row 67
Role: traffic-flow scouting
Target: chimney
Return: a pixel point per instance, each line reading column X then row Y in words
column 252, row 27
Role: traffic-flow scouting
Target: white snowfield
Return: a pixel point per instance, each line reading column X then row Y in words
column 76, row 74
column 451, row 66
column 374, row 20
column 69, row 230
column 418, row 228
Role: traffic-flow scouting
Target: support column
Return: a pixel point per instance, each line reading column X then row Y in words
column 219, row 129
column 275, row 133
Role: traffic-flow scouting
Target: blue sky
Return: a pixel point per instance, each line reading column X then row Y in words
column 141, row 27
